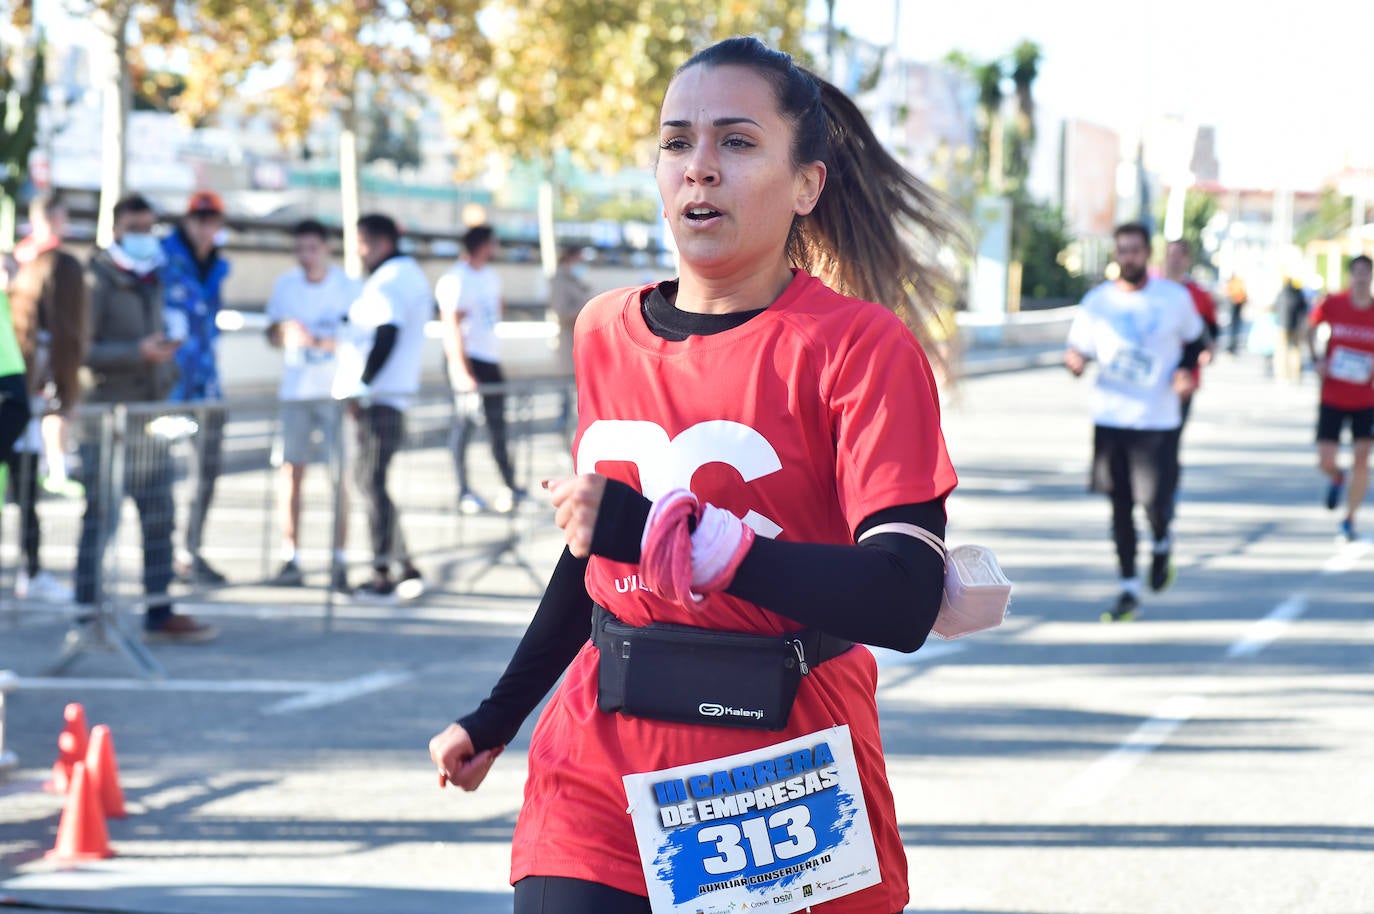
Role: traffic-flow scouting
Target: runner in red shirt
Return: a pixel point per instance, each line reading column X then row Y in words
column 1347, row 396
column 766, row 382
column 1178, row 262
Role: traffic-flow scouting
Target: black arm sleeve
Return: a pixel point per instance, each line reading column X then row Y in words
column 382, row 345
column 885, row 592
column 561, row 625
column 1191, row 352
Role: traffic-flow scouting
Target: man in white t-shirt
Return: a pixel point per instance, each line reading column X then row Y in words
column 378, row 372
column 469, row 297
column 306, row 310
column 1146, row 336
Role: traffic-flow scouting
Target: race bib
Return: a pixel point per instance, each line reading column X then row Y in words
column 1132, row 367
column 783, row 827
column 1351, row 366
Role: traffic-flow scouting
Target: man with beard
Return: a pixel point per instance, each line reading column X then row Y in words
column 1146, row 337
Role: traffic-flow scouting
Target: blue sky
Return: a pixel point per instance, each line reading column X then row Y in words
column 1289, row 86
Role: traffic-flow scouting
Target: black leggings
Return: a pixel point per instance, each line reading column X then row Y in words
column 494, row 411
column 557, row 895
column 24, row 493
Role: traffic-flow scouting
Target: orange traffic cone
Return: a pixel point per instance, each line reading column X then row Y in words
column 81, row 835
column 71, row 748
column 103, row 771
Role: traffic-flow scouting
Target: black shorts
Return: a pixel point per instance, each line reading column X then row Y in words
column 1144, row 459
column 1331, row 420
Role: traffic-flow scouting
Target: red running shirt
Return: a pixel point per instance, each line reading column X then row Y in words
column 1206, row 309
column 804, row 420
column 1352, row 329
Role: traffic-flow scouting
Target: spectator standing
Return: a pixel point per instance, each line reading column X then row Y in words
column 470, row 306
column 1290, row 310
column 378, row 372
column 568, row 294
column 132, row 360
column 1237, row 295
column 193, row 277
column 308, row 306
column 48, row 307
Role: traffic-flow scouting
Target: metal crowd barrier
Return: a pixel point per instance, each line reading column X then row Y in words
column 140, row 465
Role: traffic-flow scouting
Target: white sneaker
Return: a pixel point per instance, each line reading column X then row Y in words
column 41, row 586
column 410, row 587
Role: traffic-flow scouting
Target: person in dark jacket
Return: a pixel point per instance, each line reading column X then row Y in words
column 131, row 360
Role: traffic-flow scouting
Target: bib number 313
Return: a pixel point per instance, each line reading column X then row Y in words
column 783, row 826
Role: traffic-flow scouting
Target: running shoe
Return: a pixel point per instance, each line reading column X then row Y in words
column 338, row 580
column 471, row 503
column 1348, row 530
column 411, row 586
column 289, row 576
column 1162, row 571
column 40, row 586
column 507, row 500
column 381, row 589
column 198, row 571
column 1333, row 492
column 1125, row 609
column 180, row 630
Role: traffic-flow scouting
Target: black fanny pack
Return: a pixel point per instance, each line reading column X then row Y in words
column 700, row 676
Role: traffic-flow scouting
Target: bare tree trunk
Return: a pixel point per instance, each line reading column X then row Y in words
column 548, row 240
column 349, row 185
column 116, row 92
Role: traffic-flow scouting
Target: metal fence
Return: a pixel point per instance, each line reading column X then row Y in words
column 154, row 483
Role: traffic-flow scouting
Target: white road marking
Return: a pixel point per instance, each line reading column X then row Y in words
column 1262, row 632
column 1098, row 779
column 931, row 650
column 73, row 683
column 335, row 692
column 1346, row 559
column 1101, row 776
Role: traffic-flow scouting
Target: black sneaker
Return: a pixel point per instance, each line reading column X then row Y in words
column 1162, row 571
column 381, row 589
column 1334, row 491
column 338, row 580
column 289, row 576
column 1125, row 609
column 198, row 571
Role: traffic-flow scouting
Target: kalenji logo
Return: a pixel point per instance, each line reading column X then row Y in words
column 711, row 709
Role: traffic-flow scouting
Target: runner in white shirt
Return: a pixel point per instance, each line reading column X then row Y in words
column 469, row 297
column 1146, row 336
column 378, row 371
column 307, row 308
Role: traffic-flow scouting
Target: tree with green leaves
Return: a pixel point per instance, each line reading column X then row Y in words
column 21, row 95
column 325, row 55
column 580, row 81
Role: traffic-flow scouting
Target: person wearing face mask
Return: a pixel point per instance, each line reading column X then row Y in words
column 193, row 276
column 130, row 359
column 568, row 292
column 1146, row 335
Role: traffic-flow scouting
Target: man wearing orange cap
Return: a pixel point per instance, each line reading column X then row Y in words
column 192, row 278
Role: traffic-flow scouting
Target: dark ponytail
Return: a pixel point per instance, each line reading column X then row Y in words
column 878, row 232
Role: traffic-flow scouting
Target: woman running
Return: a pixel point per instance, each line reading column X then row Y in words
column 758, row 453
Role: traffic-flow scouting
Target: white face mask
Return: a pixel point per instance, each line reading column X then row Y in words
column 140, row 246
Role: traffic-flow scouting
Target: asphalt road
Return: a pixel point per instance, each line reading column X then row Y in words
column 1215, row 756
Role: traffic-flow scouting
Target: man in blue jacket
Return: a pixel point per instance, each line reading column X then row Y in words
column 192, row 279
